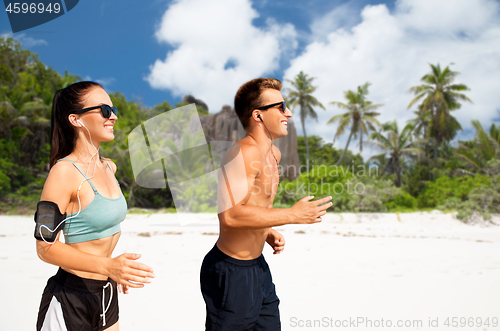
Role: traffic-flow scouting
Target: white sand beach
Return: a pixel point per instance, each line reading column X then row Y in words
column 338, row 274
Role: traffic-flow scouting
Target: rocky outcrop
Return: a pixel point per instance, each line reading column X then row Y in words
column 190, row 99
column 225, row 126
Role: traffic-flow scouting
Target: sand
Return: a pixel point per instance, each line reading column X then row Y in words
column 347, row 272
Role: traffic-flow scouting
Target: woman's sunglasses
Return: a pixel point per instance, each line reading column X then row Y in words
column 283, row 108
column 105, row 110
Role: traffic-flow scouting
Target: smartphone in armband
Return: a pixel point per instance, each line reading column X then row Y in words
column 48, row 221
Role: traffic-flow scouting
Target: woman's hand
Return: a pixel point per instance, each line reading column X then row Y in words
column 122, row 288
column 123, row 270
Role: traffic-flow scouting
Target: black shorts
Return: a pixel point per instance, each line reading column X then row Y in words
column 73, row 303
column 239, row 294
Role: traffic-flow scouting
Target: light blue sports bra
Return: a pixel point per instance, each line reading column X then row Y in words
column 100, row 219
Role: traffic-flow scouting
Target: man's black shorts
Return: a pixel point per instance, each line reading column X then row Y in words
column 239, row 294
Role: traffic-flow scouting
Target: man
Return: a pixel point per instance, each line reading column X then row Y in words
column 235, row 279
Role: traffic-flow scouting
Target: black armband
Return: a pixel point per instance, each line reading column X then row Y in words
column 48, row 221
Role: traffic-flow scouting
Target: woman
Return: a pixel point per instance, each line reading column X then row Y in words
column 82, row 295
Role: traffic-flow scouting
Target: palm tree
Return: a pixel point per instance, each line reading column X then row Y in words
column 495, row 132
column 8, row 114
column 439, row 97
column 482, row 149
column 360, row 117
column 301, row 95
column 400, row 146
column 421, row 127
column 68, row 79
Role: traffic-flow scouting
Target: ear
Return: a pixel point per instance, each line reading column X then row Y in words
column 73, row 120
column 256, row 115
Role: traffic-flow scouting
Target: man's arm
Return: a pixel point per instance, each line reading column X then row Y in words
column 236, row 181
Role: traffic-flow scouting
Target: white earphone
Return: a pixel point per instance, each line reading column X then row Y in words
column 79, row 187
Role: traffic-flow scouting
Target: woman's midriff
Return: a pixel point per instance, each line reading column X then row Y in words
column 100, row 247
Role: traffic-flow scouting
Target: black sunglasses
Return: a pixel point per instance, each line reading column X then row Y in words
column 105, row 110
column 283, row 109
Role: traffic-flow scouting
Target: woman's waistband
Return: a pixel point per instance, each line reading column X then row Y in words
column 75, row 282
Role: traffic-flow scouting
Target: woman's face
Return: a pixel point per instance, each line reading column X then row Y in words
column 101, row 128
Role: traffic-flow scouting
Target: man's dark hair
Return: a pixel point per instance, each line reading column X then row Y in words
column 249, row 94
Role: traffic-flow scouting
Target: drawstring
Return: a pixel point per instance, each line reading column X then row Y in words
column 104, row 310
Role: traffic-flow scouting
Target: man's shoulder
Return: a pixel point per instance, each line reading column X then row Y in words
column 245, row 152
column 248, row 147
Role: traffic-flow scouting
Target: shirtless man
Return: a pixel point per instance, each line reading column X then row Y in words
column 235, row 279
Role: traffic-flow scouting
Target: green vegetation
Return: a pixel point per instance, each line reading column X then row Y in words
column 359, row 118
column 27, row 87
column 401, row 146
column 401, row 178
column 439, row 97
column 301, row 95
column 324, row 153
column 464, row 179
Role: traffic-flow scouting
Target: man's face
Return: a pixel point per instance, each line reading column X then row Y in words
column 275, row 118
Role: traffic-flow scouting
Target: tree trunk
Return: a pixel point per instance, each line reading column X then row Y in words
column 427, row 154
column 398, row 172
column 307, row 145
column 435, row 159
column 347, row 145
column 385, row 168
column 428, row 161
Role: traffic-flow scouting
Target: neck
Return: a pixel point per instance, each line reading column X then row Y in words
column 84, row 148
column 261, row 137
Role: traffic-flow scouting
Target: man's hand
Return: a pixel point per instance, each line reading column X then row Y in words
column 276, row 241
column 307, row 212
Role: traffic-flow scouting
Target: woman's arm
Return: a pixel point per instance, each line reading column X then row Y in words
column 60, row 187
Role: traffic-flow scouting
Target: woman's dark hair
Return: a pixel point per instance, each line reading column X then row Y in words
column 63, row 133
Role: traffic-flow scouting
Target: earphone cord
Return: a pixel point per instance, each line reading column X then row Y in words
column 277, row 165
column 77, row 193
column 96, row 152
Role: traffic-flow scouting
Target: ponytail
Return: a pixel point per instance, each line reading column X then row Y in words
column 63, row 133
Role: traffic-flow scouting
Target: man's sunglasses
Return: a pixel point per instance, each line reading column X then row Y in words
column 283, row 108
column 105, row 110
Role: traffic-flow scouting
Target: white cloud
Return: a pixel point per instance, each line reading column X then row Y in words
column 393, row 51
column 26, row 41
column 344, row 16
column 106, row 81
column 217, row 48
column 442, row 17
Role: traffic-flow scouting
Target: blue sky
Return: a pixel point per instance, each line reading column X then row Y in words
column 114, row 41
column 161, row 50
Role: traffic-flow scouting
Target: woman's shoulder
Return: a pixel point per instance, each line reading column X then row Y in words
column 111, row 164
column 64, row 168
column 60, row 182
column 63, row 172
